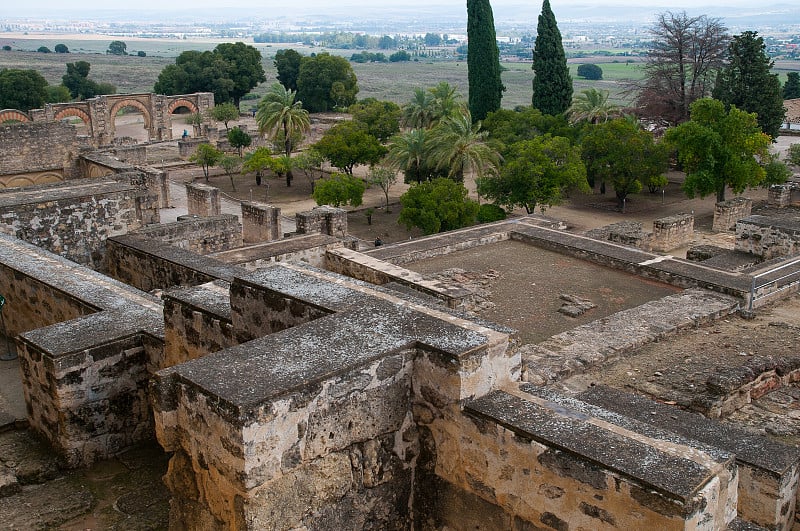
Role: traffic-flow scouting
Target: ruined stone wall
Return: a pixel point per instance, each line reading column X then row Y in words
column 768, row 238
column 29, row 148
column 202, row 200
column 72, row 220
column 298, row 249
column 780, row 195
column 628, row 233
column 672, row 232
column 197, row 321
column 200, row 235
column 151, row 264
column 260, row 222
column 335, row 456
column 727, row 213
column 323, row 219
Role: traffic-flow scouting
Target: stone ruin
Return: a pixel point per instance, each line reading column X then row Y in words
column 300, row 383
column 668, row 233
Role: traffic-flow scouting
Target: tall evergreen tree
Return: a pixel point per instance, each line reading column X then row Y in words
column 552, row 84
column 791, row 89
column 483, row 60
column 747, row 83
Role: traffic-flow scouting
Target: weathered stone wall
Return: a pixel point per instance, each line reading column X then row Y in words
column 260, row 222
column 628, row 233
column 727, row 213
column 30, row 148
column 672, row 232
column 72, row 220
column 308, row 249
column 780, row 195
column 188, row 147
column 136, row 155
column 768, row 237
column 202, row 200
column 202, row 235
column 197, row 321
column 151, row 264
column 323, row 219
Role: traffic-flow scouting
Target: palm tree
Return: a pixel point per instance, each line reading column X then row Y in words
column 458, row 146
column 592, row 106
column 409, row 152
column 418, row 113
column 282, row 118
column 447, row 101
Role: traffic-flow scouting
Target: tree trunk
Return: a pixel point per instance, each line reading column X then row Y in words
column 289, row 178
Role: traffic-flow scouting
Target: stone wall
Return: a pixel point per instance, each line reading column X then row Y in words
column 780, row 195
column 628, row 233
column 202, row 199
column 768, row 237
column 672, row 232
column 188, row 147
column 30, row 148
column 323, row 219
column 72, row 219
column 727, row 213
column 260, row 222
column 201, row 235
column 308, row 249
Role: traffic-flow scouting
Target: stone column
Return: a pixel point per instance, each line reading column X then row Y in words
column 727, row 213
column 780, row 195
column 260, row 222
column 324, row 219
column 202, row 199
column 672, row 232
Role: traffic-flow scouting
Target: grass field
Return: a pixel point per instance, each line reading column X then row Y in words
column 386, row 81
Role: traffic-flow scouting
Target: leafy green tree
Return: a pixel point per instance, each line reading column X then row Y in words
column 506, row 127
column 489, row 212
column 747, row 82
column 231, row 166
column 287, row 62
column 196, row 120
column 483, row 60
column 382, row 118
column 239, row 139
column 207, row 156
column 57, row 94
column 433, row 39
column 43, row 49
column 229, row 71
column 386, row 42
column 326, row 81
column 244, row 68
column 339, row 189
column 459, row 146
column 793, row 154
column 552, row 84
column 592, row 106
column 620, row 153
column 61, row 48
column 80, row 86
column 418, row 113
column 539, row 171
column 437, row 206
column 224, row 112
column 141, row 53
column 720, row 149
column 280, row 116
column 258, row 162
column 791, row 89
column 309, row 162
column 22, row 89
column 590, row 71
column 399, row 56
column 409, row 152
column 447, row 102
column 385, row 177
column 117, row 48
column 686, row 54
column 348, row 143
column 6, row 48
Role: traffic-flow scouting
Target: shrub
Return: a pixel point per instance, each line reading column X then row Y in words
column 590, row 71
column 489, row 212
column 793, row 155
column 140, row 53
column 43, row 49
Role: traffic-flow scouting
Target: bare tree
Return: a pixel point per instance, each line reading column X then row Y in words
column 682, row 65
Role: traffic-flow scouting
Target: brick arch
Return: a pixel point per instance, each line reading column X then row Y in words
column 182, row 102
column 13, row 114
column 73, row 111
column 131, row 103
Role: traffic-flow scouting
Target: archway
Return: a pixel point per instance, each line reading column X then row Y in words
column 181, row 112
column 13, row 115
column 76, row 117
column 130, row 118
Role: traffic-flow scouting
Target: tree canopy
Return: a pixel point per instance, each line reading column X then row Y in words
column 483, row 60
column 283, row 119
column 686, row 54
column 287, row 63
column 458, row 146
column 552, row 84
column 382, row 118
column 791, row 89
column 117, row 48
column 538, row 171
column 22, row 89
column 61, row 48
column 239, row 139
column 437, row 206
column 326, row 82
column 224, row 112
column 720, row 149
column 348, row 143
column 80, row 86
column 207, row 156
column 620, row 153
column 339, row 189
column 747, row 82
column 229, row 71
column 590, row 71
column 592, row 106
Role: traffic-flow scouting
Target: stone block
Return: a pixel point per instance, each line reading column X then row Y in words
column 202, row 199
column 260, row 222
column 323, row 219
column 727, row 213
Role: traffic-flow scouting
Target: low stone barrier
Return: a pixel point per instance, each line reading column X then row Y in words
column 202, row 199
column 727, row 213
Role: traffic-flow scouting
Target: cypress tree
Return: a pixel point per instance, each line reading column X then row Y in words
column 748, row 83
column 791, row 89
column 483, row 60
column 552, row 84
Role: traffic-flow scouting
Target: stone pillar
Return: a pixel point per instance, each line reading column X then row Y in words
column 727, row 213
column 324, row 219
column 260, row 222
column 187, row 148
column 202, row 199
column 780, row 195
column 672, row 232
